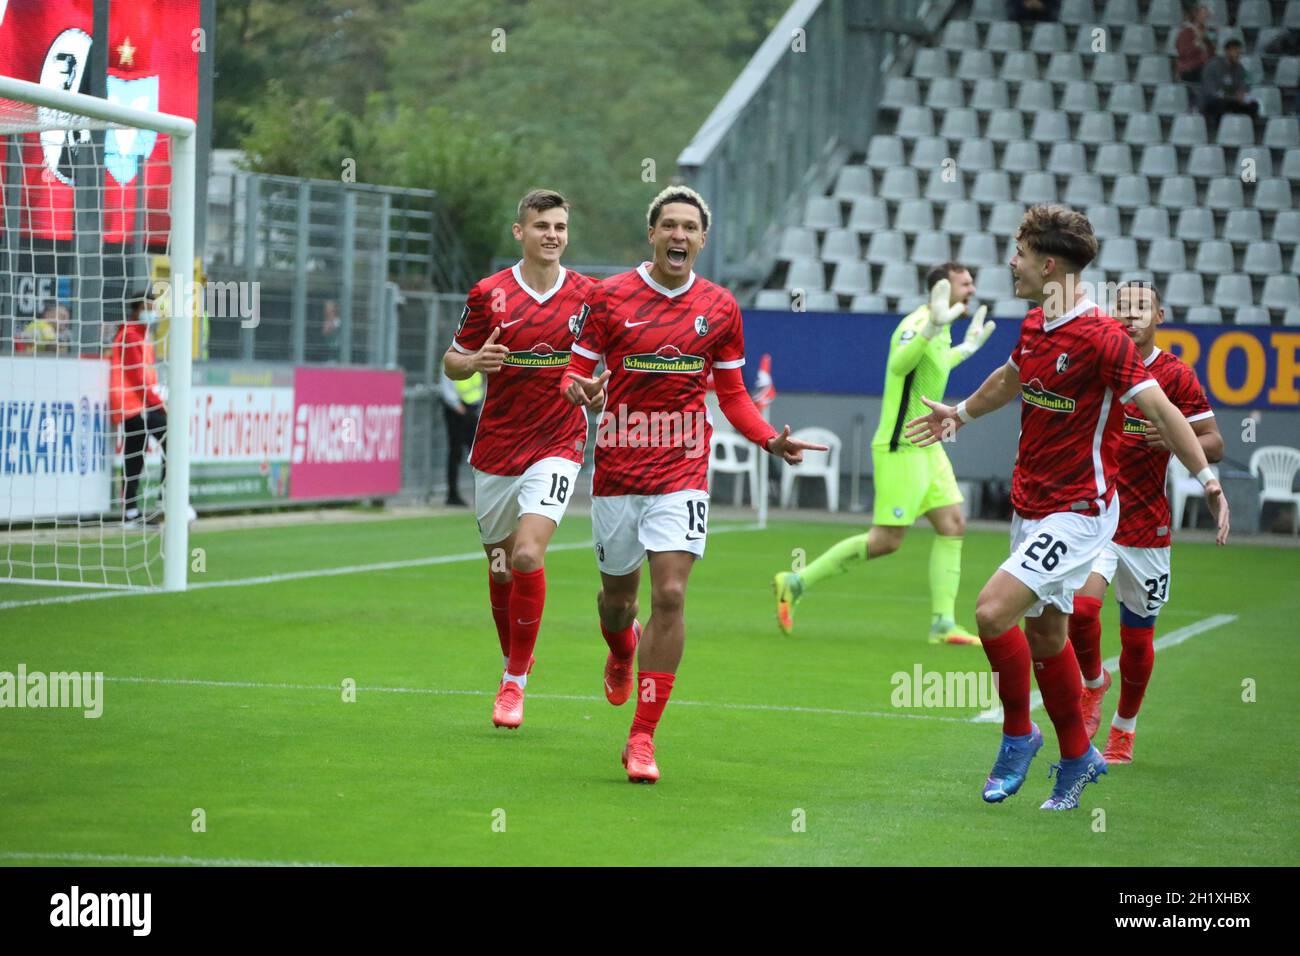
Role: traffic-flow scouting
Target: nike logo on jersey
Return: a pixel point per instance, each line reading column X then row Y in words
column 632, row 325
column 506, row 325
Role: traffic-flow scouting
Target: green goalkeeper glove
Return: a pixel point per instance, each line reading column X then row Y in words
column 977, row 333
column 941, row 314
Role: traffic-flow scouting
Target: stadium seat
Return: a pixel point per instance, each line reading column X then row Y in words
column 853, row 182
column 1083, row 40
column 1254, row 14
column 960, row 124
column 1291, row 15
column 1121, row 11
column 976, row 154
column 973, row 65
column 990, row 95
column 1066, row 159
column 1159, row 160
column 1126, row 98
column 1185, row 290
column 1243, row 226
column 1280, row 292
column 1047, row 38
column 1035, row 96
column 1117, row 254
column 942, row 187
column 1262, row 259
column 1269, row 99
column 1008, row 308
column 1287, row 72
column 899, row 183
column 822, row 212
column 902, row 91
column 1142, row 129
column 961, row 218
column 797, row 243
column 822, row 466
column 806, row 274
column 1225, row 193
column 994, row 282
column 1290, row 165
column 842, row 245
column 1282, row 132
column 870, row 304
column 1019, row 67
column 914, row 122
column 1105, row 220
column 774, row 299
column 1207, row 162
column 1005, row 126
column 818, row 301
column 1129, row 192
column 1167, row 255
column 851, row 278
column 1286, row 227
column 869, row 215
column 1250, row 315
column 1177, row 192
column 946, row 94
column 884, row 152
column 1153, row 70
column 1236, row 130
column 898, row 279
column 1230, row 291
column 1037, row 188
column 1151, row 223
column 1171, row 100
column 1005, row 218
column 1137, row 39
column 1022, row 156
column 1203, row 315
column 885, row 247
column 1195, row 225
column 1080, row 96
column 1272, row 195
column 1215, row 257
column 1109, row 69
column 932, row 247
column 914, row 216
column 991, row 186
column 978, row 249
column 1114, row 159
column 929, row 152
column 1064, row 67
column 1291, row 316
column 1003, row 37
column 985, row 11
column 1077, row 12
column 1083, row 189
column 1095, row 128
column 960, row 35
column 931, row 63
column 1295, row 262
column 1095, row 278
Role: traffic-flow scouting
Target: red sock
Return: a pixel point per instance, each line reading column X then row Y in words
column 622, row 644
column 526, row 602
column 1009, row 656
column 499, row 595
column 1136, row 658
column 652, row 690
column 1059, row 680
column 1085, row 635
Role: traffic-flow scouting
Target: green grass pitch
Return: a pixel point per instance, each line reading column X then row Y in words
column 227, row 699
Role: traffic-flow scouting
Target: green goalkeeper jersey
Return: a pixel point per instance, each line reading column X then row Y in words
column 917, row 366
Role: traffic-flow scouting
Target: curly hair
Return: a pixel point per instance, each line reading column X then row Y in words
column 1052, row 230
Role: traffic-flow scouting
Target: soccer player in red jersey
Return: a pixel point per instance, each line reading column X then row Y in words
column 1137, row 559
column 1074, row 368
column 518, row 326
column 660, row 328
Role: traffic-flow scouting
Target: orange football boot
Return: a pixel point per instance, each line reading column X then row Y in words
column 1090, row 703
column 639, row 759
column 619, row 677
column 508, row 709
column 1119, row 746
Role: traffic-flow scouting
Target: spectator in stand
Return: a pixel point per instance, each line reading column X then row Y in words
column 1195, row 43
column 134, row 400
column 1028, row 11
column 51, row 334
column 1223, row 87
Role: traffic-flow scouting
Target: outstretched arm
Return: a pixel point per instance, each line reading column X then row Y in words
column 998, row 389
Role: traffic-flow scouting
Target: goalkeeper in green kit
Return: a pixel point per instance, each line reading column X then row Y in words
column 910, row 481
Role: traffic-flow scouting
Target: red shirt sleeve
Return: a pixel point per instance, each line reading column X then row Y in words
column 475, row 322
column 588, row 336
column 1119, row 364
column 1190, row 397
column 739, row 407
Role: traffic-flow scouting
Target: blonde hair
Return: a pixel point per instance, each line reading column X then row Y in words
column 678, row 194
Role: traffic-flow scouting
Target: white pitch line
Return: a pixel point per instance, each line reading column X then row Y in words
column 444, row 692
column 164, row 860
column 1172, row 639
column 313, row 573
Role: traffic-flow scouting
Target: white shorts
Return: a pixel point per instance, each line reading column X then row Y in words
column 1140, row 576
column 544, row 489
column 1053, row 556
column 625, row 527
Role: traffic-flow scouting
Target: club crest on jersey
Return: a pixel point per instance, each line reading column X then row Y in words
column 539, row 356
column 1062, row 362
column 701, row 325
column 668, row 359
column 1034, row 393
column 578, row 320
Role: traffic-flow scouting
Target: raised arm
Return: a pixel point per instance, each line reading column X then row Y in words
column 1002, row 385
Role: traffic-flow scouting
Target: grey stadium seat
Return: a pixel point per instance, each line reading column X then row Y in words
column 822, row 212
column 932, row 247
column 884, row 152
column 961, row 218
column 1035, row 96
column 1080, row 96
column 1037, row 188
column 1231, row 291
column 1137, row 39
column 1280, row 292
column 1076, row 12
column 1022, row 156
column 1207, row 162
column 902, row 91
column 1114, row 159
column 1126, row 98
column 987, row 10
column 1083, row 189
column 1287, row 71
column 1291, row 316
column 886, row 246
column 1171, row 100
column 975, row 65
column 1165, row 13
column 841, row 245
column 1282, row 132
column 990, row 95
column 1177, row 192
column 806, row 274
column 870, row 304
column 914, row 216
column 1009, row 308
column 1109, row 68
column 1262, row 259
column 1215, row 257
column 1185, row 289
column 1121, row 11
column 1195, row 225
column 816, row 301
column 1160, row 159
column 946, row 94
column 797, row 243
column 929, row 152
column 1005, row 218
column 1064, row 67
column 1083, row 40
column 868, row 215
column 1290, row 165
column 1003, row 37
column 1269, row 99
column 1243, row 225
column 991, row 186
column 1286, row 227
column 994, row 282
column 1142, row 129
column 774, row 299
column 1151, row 223
column 976, row 154
column 1066, row 159
column 1272, row 195
column 900, row 183
column 1291, row 15
column 941, row 188
column 1236, row 130
column 960, row 124
column 1203, row 315
column 1250, row 315
column 978, row 249
column 1153, row 70
column 1105, row 220
column 1254, row 14
column 1129, row 192
column 931, row 63
column 1167, row 255
column 1118, row 254
column 1096, row 128
column 851, row 278
column 1047, row 38
column 914, row 122
column 1019, row 67
column 1005, row 126
column 898, row 279
column 960, row 35
column 854, row 181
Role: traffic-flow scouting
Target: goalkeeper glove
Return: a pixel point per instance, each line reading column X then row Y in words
column 941, row 314
column 977, row 333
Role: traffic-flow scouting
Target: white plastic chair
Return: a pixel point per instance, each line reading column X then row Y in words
column 731, row 453
column 1277, row 466
column 816, row 464
column 1182, row 486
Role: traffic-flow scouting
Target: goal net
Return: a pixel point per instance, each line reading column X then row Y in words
column 94, row 400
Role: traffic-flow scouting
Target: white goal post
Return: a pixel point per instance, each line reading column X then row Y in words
column 31, row 107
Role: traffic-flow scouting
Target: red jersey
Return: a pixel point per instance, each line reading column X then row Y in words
column 133, row 379
column 1143, row 504
column 524, row 417
column 1071, row 371
column 660, row 346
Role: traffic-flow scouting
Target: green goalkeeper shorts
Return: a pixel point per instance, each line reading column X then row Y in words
column 911, row 482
